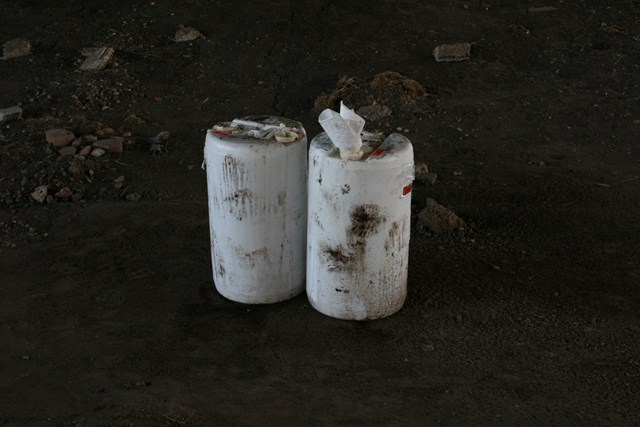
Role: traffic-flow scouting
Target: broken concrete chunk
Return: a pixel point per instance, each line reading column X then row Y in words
column 439, row 219
column 40, row 193
column 11, row 113
column 187, row 34
column 452, row 52
column 96, row 59
column 16, row 48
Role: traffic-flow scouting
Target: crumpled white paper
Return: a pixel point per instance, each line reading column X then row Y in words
column 344, row 130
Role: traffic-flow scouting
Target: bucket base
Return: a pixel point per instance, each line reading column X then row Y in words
column 342, row 314
column 260, row 299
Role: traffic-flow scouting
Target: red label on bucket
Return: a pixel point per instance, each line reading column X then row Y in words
column 378, row 152
column 407, row 189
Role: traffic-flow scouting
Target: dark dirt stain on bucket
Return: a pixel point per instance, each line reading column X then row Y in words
column 365, row 220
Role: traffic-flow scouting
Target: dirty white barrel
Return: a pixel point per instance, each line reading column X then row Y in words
column 256, row 178
column 359, row 227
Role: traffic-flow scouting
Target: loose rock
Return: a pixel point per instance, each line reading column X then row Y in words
column 85, row 151
column 40, row 194
column 16, row 48
column 63, row 193
column 59, row 137
column 11, row 113
column 187, row 34
column 112, row 145
column 452, row 52
column 439, row 219
column 97, row 58
column 97, row 152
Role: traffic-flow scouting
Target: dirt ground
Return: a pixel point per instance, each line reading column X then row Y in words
column 108, row 311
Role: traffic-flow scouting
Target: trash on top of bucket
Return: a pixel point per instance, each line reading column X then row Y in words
column 375, row 145
column 266, row 128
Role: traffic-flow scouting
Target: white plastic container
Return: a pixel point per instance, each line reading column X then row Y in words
column 359, row 227
column 256, row 178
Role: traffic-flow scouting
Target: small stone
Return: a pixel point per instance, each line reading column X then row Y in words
column 11, row 113
column 16, row 48
column 24, row 182
column 89, row 139
column 187, row 34
column 97, row 152
column 161, row 138
column 59, row 137
column 374, row 112
column 63, row 193
column 439, row 219
column 97, row 59
column 452, row 52
column 108, row 131
column 76, row 197
column 112, row 145
column 457, row 173
column 40, row 193
column 431, row 178
column 85, row 151
column 118, row 182
column 50, row 199
column 133, row 197
column 77, row 142
column 422, row 169
column 67, row 151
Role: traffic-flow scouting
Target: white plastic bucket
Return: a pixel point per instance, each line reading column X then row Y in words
column 359, row 227
column 256, row 178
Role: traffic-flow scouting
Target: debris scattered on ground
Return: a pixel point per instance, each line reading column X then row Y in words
column 423, row 174
column 40, row 193
column 59, row 137
column 440, row 219
column 380, row 99
column 97, row 58
column 542, row 9
column 157, row 143
column 11, row 113
column 16, row 48
column 187, row 34
column 452, row 52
